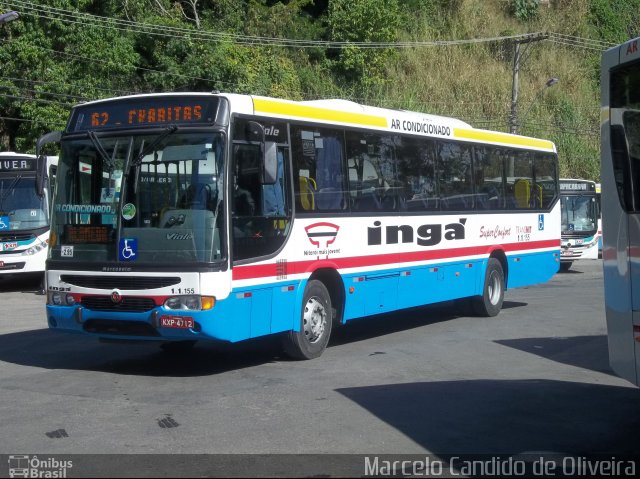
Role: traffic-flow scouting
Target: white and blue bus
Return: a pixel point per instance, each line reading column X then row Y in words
column 24, row 213
column 620, row 177
column 599, row 200
column 580, row 221
column 180, row 217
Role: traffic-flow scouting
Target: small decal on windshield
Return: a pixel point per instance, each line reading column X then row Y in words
column 128, row 211
column 107, row 195
column 105, row 209
column 66, row 251
column 128, row 249
column 4, row 223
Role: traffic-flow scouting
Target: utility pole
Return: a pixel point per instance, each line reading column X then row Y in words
column 518, row 60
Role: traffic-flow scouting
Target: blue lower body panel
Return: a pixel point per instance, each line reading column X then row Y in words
column 269, row 309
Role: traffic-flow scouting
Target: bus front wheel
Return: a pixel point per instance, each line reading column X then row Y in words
column 565, row 266
column 315, row 324
column 489, row 303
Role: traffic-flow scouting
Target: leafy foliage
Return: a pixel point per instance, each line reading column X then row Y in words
column 615, row 21
column 50, row 63
column 524, row 9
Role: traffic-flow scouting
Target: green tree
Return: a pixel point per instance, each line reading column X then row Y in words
column 366, row 21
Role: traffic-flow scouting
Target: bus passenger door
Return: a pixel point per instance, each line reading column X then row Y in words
column 261, row 221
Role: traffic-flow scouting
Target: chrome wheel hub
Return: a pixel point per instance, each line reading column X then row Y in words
column 314, row 320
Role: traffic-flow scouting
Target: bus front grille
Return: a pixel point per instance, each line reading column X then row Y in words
column 119, row 328
column 16, row 237
column 120, row 282
column 130, row 304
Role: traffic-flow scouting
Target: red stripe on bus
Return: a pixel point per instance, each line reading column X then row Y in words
column 270, row 269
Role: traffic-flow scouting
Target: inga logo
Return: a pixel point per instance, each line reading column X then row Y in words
column 322, row 236
column 425, row 235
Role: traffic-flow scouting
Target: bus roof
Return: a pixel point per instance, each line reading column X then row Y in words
column 13, row 154
column 349, row 113
column 624, row 53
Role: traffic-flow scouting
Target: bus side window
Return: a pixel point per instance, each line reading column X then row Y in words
column 417, row 173
column 520, row 180
column 454, row 176
column 246, row 180
column 318, row 163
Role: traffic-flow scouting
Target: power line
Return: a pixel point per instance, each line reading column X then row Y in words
column 25, row 120
column 43, row 82
column 85, row 19
column 39, row 92
column 107, row 62
column 39, row 100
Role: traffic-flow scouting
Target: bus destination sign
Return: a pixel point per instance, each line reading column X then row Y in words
column 141, row 112
column 17, row 164
column 568, row 185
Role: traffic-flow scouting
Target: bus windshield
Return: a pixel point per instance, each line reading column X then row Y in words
column 144, row 198
column 20, row 206
column 579, row 214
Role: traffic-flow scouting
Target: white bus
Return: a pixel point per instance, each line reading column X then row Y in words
column 180, row 217
column 599, row 199
column 620, row 177
column 580, row 221
column 24, row 213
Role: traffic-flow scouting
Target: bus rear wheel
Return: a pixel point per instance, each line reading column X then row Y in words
column 316, row 320
column 489, row 303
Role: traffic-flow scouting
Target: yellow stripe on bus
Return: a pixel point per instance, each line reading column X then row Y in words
column 502, row 138
column 315, row 113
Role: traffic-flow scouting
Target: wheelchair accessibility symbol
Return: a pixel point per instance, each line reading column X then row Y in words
column 128, row 249
column 540, row 222
column 4, row 223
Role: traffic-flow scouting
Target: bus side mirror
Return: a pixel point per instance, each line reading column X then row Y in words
column 270, row 164
column 41, row 174
column 41, row 160
column 254, row 131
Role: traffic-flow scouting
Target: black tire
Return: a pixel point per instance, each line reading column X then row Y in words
column 565, row 266
column 178, row 347
column 490, row 303
column 316, row 320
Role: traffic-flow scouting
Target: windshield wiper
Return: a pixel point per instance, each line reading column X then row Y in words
column 108, row 161
column 152, row 146
column 144, row 151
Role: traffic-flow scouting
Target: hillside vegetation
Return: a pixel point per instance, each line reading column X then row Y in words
column 61, row 52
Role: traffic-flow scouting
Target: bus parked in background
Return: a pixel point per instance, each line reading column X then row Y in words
column 620, row 176
column 579, row 214
column 181, row 217
column 24, row 213
column 599, row 200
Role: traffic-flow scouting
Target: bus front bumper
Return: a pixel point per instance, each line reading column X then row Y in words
column 158, row 324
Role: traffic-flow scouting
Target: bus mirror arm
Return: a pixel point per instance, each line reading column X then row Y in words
column 41, row 171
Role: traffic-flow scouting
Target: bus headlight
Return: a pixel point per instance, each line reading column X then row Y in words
column 35, row 248
column 60, row 299
column 55, row 298
column 191, row 303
